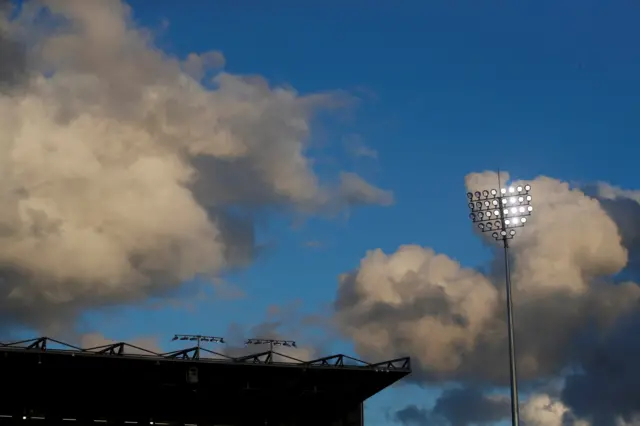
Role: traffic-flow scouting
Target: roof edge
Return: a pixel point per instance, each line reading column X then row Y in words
column 199, row 354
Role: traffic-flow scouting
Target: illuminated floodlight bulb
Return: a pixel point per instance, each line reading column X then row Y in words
column 497, row 212
column 506, row 211
column 495, row 202
column 527, row 187
column 486, row 204
column 488, row 214
column 507, row 221
column 521, row 209
column 528, row 197
column 523, row 220
column 494, row 192
column 519, row 188
column 530, row 208
column 512, row 232
column 511, row 190
column 520, row 199
column 503, row 191
column 503, row 233
column 514, row 210
column 512, row 200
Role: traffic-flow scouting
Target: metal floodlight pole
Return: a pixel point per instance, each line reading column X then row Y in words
column 499, row 212
column 198, row 338
column 271, row 343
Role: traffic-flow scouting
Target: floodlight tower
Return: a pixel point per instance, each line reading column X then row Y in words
column 499, row 212
column 271, row 343
column 198, row 338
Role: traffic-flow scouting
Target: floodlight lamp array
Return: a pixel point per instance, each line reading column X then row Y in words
column 500, row 211
column 197, row 338
column 272, row 342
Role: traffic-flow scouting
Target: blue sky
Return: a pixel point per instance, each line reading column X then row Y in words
column 446, row 88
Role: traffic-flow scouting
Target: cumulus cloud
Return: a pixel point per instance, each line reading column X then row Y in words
column 123, row 174
column 282, row 322
column 479, row 408
column 605, row 388
column 471, row 406
column 356, row 147
column 624, row 208
column 569, row 299
column 13, row 59
column 545, row 410
column 412, row 415
column 355, row 190
column 398, row 290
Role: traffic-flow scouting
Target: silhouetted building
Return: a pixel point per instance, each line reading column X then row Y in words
column 110, row 384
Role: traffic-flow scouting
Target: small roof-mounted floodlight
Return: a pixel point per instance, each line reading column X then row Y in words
column 271, row 342
column 198, row 338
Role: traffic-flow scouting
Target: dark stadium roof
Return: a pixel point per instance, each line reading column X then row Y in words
column 125, row 381
column 203, row 355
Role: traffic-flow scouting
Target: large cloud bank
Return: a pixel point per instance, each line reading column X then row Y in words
column 576, row 312
column 125, row 171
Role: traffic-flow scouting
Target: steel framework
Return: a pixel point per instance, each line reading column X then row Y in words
column 119, row 349
column 502, row 211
